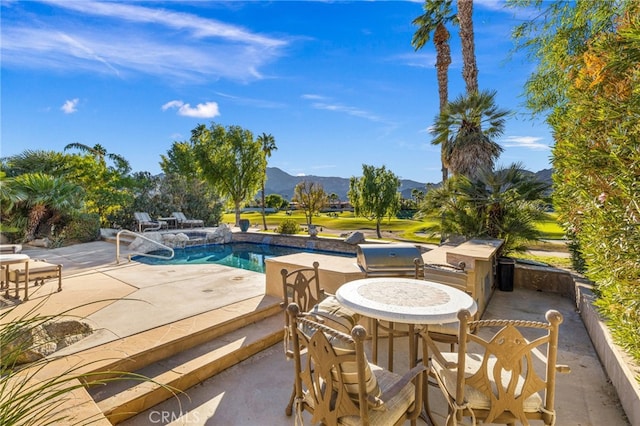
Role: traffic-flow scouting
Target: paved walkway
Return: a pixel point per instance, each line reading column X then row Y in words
column 256, row 391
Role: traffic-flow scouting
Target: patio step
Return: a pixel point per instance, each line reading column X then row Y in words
column 125, row 239
column 176, row 366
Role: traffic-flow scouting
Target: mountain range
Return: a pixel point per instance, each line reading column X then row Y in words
column 282, row 183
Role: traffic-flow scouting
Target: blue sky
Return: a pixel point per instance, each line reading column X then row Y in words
column 337, row 84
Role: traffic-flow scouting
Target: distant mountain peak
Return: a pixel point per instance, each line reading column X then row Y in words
column 282, row 183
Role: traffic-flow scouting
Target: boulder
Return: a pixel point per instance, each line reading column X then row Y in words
column 34, row 343
column 355, row 238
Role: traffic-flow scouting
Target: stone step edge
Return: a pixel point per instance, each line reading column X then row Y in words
column 147, row 394
column 134, row 352
column 105, row 355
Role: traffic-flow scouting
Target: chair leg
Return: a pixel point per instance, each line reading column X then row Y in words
column 374, row 340
column 59, row 278
column 289, row 410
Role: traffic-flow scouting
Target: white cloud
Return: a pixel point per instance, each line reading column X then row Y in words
column 313, row 97
column 353, row 111
column 206, row 110
column 199, row 27
column 528, row 142
column 137, row 39
column 70, row 106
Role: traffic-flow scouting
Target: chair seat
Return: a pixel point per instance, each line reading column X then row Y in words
column 38, row 272
column 448, row 329
column 331, row 313
column 391, row 409
column 475, row 398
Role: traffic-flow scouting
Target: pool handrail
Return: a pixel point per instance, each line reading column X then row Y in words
column 139, row 235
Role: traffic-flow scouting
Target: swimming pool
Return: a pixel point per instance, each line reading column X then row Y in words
column 247, row 256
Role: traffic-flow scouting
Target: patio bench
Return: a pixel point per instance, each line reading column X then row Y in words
column 38, row 271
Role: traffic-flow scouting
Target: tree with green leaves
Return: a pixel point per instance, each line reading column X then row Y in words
column 504, row 204
column 100, row 154
column 311, row 197
column 467, row 129
column 33, row 161
column 268, row 143
column 276, row 201
column 375, row 194
column 556, row 38
column 107, row 188
column 587, row 80
column 334, row 200
column 437, row 14
column 43, row 198
column 231, row 161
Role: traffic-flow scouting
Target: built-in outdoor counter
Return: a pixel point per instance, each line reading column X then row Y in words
column 333, row 271
column 479, row 258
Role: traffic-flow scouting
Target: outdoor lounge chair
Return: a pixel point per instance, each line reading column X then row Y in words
column 145, row 223
column 39, row 271
column 183, row 222
column 338, row 386
column 498, row 380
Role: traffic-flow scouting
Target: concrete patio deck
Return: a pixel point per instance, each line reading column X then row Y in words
column 255, row 391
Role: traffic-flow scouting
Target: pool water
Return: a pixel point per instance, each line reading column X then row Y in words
column 237, row 255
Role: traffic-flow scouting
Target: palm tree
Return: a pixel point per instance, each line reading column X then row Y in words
column 43, row 196
column 467, row 129
column 268, row 145
column 437, row 14
column 99, row 153
column 503, row 204
column 32, row 161
column 469, row 67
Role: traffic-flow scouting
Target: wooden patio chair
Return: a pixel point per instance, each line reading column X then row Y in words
column 338, row 386
column 498, row 380
column 452, row 276
column 302, row 287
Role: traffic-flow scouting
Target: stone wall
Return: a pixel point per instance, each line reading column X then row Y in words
column 544, row 278
column 620, row 369
column 298, row 241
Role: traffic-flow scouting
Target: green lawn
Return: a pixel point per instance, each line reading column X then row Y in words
column 407, row 229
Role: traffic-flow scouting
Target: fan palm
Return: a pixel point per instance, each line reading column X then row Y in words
column 503, row 204
column 44, row 195
column 466, row 130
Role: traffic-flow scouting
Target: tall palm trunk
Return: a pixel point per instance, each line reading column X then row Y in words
column 36, row 214
column 264, row 216
column 469, row 68
column 443, row 60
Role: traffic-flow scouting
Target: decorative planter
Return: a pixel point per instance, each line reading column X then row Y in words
column 244, row 225
column 313, row 231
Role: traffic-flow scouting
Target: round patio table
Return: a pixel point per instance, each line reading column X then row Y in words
column 410, row 301
column 405, row 300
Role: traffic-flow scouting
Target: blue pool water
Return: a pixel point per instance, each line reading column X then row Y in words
column 238, row 255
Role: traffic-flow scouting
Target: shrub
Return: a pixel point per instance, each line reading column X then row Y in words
column 83, row 228
column 288, row 226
